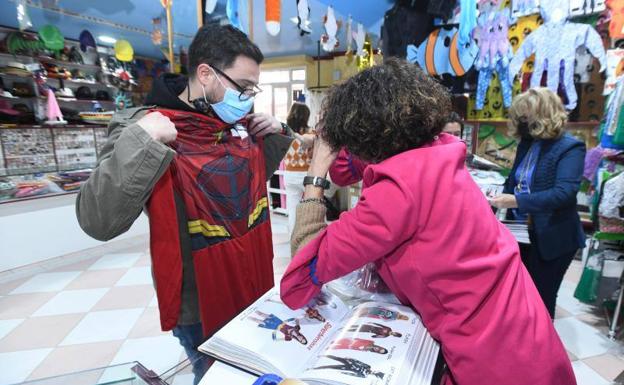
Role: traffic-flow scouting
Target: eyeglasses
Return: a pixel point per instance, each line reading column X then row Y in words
column 245, row 93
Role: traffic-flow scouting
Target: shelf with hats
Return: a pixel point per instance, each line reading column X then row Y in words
column 46, row 59
column 86, row 67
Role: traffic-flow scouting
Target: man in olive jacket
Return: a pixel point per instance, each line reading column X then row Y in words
column 224, row 73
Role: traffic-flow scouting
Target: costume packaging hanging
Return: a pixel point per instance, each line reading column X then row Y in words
column 220, row 177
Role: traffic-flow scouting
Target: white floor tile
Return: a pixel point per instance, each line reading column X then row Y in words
column 103, row 326
column 47, row 282
column 581, row 339
column 7, row 325
column 153, row 302
column 566, row 300
column 17, row 366
column 71, row 301
column 586, row 375
column 116, row 261
column 136, row 276
column 156, row 353
column 184, row 379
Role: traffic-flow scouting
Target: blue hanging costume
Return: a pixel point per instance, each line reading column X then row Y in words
column 554, row 45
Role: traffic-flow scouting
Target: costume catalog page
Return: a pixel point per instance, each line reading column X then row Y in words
column 379, row 344
column 268, row 337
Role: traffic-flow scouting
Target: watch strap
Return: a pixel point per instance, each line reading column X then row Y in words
column 316, row 181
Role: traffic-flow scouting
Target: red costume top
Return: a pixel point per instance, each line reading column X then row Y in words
column 221, row 180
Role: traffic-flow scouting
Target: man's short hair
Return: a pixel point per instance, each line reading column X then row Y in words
column 219, row 46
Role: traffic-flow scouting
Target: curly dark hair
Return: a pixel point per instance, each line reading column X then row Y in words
column 384, row 110
column 298, row 118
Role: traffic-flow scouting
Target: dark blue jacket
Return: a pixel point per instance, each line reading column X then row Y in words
column 557, row 229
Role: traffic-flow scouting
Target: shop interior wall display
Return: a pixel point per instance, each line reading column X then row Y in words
column 591, row 102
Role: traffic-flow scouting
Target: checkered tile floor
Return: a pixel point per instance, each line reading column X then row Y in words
column 101, row 310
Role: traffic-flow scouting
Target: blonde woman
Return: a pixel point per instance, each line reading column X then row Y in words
column 542, row 187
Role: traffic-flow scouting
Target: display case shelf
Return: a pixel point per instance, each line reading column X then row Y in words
column 36, row 160
column 60, row 63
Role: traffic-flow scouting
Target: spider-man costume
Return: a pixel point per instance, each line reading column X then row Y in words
column 221, row 179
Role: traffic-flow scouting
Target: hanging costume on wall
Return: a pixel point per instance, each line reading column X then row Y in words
column 232, row 12
column 359, row 36
column 586, row 7
column 467, row 21
column 556, row 55
column 441, row 53
column 615, row 69
column 210, row 6
column 582, row 65
column 272, row 14
column 494, row 54
column 404, row 25
column 329, row 39
column 493, row 107
column 486, row 6
column 616, row 27
column 349, row 35
column 221, row 179
column 612, row 126
column 303, row 17
column 524, row 7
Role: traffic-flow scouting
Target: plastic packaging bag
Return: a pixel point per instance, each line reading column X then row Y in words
column 362, row 285
column 587, row 288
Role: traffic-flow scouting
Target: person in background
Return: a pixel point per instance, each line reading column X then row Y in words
column 297, row 158
column 542, row 188
column 454, row 125
column 428, row 228
column 212, row 212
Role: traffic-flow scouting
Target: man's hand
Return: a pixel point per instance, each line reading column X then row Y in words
column 159, row 127
column 262, row 124
column 504, row 201
column 307, row 140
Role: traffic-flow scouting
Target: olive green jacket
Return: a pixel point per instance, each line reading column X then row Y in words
column 130, row 164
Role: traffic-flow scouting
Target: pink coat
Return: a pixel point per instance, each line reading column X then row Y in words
column 440, row 249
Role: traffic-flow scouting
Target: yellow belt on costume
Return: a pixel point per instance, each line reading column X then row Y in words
column 200, row 226
column 260, row 206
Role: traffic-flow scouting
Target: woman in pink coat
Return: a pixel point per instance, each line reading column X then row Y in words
column 429, row 229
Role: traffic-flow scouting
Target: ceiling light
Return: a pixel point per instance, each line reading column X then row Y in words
column 107, row 39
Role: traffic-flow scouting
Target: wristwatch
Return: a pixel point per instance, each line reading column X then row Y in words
column 316, row 181
column 285, row 129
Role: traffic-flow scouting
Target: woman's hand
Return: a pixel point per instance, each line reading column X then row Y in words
column 504, row 201
column 322, row 158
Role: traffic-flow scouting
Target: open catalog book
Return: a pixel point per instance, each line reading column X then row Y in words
column 328, row 343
